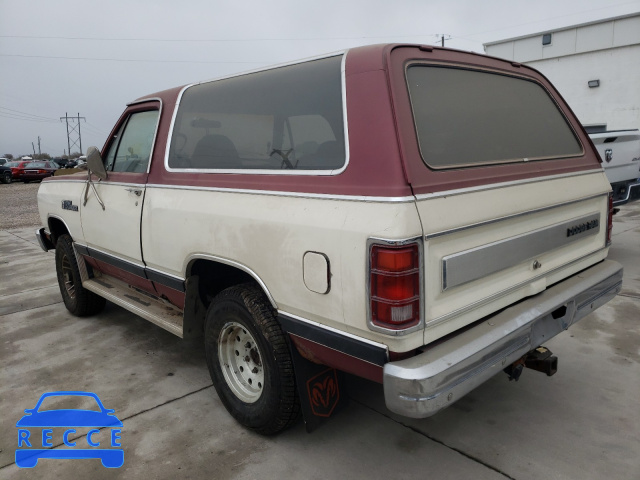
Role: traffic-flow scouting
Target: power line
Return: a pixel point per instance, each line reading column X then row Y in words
column 214, row 40
column 27, row 115
column 17, row 117
column 93, row 130
column 284, row 39
column 95, row 127
column 125, row 60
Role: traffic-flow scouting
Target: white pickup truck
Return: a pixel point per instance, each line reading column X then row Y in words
column 620, row 153
column 418, row 216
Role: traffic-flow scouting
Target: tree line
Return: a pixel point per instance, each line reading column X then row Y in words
column 42, row 156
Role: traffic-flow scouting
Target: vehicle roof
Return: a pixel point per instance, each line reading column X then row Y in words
column 365, row 58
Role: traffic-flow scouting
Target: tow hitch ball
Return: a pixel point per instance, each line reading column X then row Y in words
column 540, row 359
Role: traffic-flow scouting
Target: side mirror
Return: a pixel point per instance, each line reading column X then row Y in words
column 95, row 163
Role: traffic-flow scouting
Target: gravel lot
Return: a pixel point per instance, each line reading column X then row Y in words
column 19, row 205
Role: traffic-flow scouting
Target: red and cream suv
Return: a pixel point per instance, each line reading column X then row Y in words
column 414, row 215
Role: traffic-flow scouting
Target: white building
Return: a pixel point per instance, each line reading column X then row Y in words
column 595, row 66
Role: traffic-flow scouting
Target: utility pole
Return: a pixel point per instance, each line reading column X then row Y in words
column 34, row 149
column 79, row 134
column 73, row 140
column 39, row 151
column 442, row 38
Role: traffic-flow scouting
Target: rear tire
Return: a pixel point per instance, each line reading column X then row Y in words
column 78, row 300
column 249, row 360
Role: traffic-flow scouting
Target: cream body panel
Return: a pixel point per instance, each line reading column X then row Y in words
column 451, row 226
column 116, row 229
column 51, row 194
column 270, row 234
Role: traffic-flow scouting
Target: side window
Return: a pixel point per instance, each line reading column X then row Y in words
column 110, row 157
column 285, row 118
column 314, row 142
column 131, row 148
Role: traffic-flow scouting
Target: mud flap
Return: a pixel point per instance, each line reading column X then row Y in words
column 321, row 390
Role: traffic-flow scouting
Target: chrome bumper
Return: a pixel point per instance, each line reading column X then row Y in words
column 425, row 384
column 633, row 193
column 43, row 240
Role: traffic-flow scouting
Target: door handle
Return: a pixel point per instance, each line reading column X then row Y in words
column 136, row 191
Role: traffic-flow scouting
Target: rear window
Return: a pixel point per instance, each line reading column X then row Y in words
column 36, row 165
column 469, row 117
column 287, row 118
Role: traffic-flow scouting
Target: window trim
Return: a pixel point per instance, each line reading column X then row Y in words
column 495, row 72
column 243, row 171
column 137, row 106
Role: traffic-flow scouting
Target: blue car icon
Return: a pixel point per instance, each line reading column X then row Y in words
column 69, row 419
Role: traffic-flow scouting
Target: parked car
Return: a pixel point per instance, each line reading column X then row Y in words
column 3, row 160
column 37, row 170
column 17, row 168
column 421, row 217
column 61, row 162
column 5, row 174
column 620, row 152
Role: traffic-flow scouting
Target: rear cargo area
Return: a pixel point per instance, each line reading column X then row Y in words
column 507, row 242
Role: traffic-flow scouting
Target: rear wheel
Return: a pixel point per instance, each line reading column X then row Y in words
column 249, row 360
column 78, row 300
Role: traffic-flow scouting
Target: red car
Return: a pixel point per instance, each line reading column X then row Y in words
column 17, row 168
column 35, row 170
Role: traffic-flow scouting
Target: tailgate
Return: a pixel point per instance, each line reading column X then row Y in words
column 620, row 153
column 489, row 247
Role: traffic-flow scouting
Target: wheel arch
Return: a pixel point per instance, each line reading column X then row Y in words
column 57, row 227
column 206, row 276
column 227, row 272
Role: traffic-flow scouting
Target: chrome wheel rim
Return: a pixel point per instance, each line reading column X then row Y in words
column 67, row 277
column 241, row 362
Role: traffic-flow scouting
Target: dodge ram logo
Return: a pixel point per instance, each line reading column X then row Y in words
column 608, row 155
column 324, row 393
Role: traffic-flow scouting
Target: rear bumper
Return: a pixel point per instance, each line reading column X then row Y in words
column 423, row 385
column 634, row 192
column 624, row 192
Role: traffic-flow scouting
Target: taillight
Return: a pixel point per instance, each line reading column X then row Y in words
column 395, row 286
column 610, row 219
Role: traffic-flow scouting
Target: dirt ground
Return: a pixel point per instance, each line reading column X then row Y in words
column 19, row 205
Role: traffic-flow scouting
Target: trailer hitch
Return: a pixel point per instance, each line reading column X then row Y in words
column 540, row 359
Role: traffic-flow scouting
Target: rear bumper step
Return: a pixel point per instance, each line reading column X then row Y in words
column 423, row 385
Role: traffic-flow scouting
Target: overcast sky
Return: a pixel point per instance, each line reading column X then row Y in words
column 92, row 57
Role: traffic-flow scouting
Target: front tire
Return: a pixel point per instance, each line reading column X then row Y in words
column 249, row 360
column 6, row 178
column 78, row 300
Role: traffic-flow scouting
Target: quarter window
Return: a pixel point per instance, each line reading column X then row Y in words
column 284, row 118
